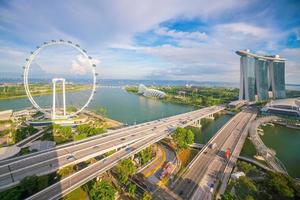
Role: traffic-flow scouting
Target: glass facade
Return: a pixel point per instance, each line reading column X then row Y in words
column 248, row 68
column 278, row 79
column 261, row 74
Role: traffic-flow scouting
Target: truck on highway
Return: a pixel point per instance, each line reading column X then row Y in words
column 213, row 145
column 227, row 153
column 167, row 170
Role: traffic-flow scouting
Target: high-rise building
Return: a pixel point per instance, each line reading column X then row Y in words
column 261, row 74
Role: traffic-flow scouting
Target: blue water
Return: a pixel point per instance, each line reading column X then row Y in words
column 120, row 105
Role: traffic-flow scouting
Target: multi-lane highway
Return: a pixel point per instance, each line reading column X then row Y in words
column 200, row 178
column 15, row 169
column 153, row 135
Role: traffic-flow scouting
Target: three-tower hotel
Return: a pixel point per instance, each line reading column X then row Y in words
column 262, row 77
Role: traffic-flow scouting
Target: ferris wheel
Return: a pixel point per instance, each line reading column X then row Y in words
column 52, row 112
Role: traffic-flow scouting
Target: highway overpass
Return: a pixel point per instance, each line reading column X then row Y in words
column 207, row 168
column 15, row 169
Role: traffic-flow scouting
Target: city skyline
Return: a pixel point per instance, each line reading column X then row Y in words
column 156, row 41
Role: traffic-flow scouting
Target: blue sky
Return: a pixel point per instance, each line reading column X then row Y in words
column 170, row 39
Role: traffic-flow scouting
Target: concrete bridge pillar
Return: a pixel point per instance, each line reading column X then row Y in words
column 197, row 123
column 211, row 116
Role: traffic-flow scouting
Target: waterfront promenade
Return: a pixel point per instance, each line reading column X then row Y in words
column 268, row 154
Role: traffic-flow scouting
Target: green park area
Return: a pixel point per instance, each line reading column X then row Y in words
column 201, row 96
column 39, row 89
column 195, row 96
column 261, row 185
column 63, row 134
column 17, row 135
column 27, row 187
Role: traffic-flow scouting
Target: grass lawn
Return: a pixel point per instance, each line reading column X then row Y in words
column 186, row 156
column 78, row 194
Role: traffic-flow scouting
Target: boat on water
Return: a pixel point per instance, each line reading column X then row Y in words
column 258, row 157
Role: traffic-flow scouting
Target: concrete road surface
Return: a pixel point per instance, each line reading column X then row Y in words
column 14, row 170
column 203, row 172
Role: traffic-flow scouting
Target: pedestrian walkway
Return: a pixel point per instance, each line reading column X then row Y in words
column 268, row 154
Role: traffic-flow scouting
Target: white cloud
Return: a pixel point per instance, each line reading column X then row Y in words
column 196, row 35
column 100, row 22
column 82, row 65
column 99, row 25
column 245, row 29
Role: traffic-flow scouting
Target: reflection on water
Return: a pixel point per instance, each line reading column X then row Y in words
column 286, row 142
column 210, row 127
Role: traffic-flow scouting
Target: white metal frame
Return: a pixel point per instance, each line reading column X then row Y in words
column 54, row 95
column 33, row 56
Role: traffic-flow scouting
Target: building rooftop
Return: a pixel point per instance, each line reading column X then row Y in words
column 266, row 57
column 295, row 102
column 289, row 106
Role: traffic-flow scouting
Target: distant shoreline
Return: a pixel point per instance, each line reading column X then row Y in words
column 44, row 93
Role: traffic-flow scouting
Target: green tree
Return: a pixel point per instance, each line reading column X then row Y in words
column 66, row 131
column 102, row 190
column 22, row 133
column 55, row 127
column 124, row 169
column 282, row 185
column 95, row 131
column 42, row 182
column 71, row 109
column 249, row 197
column 228, row 196
column 145, row 155
column 189, row 137
column 183, row 137
column 32, row 184
column 131, row 188
column 246, row 167
column 11, row 194
column 146, row 196
column 244, row 187
column 83, row 129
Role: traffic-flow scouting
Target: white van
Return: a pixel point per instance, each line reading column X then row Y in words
column 213, row 145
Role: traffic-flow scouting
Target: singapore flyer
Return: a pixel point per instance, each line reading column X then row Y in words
column 60, row 79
